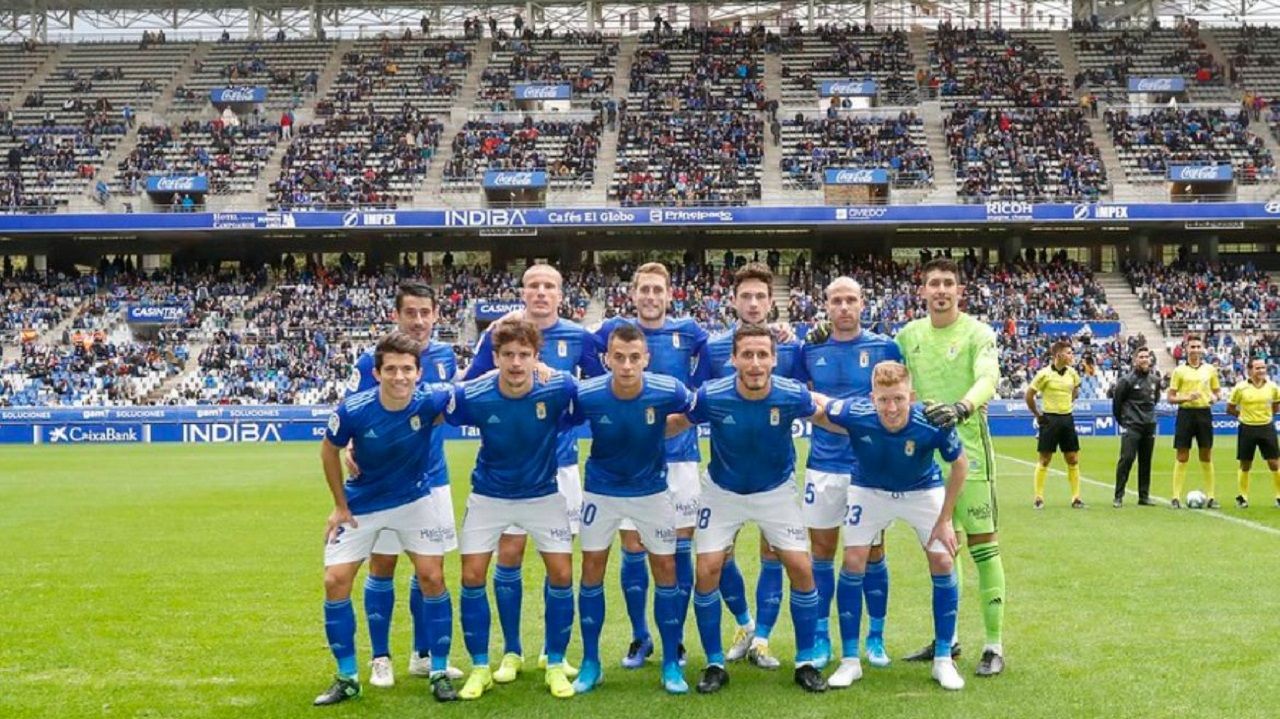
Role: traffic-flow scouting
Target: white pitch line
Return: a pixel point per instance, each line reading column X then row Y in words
column 1163, row 500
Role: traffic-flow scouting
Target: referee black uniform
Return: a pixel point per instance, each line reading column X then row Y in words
column 1133, row 404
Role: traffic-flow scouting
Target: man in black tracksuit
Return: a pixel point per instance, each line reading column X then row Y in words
column 1133, row 404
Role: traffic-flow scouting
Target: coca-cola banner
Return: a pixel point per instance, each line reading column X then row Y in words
column 1157, row 84
column 177, row 183
column 857, row 176
column 235, row 95
column 543, row 92
column 514, row 179
column 1200, row 173
column 848, row 88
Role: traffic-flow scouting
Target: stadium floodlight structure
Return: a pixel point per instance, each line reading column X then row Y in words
column 89, row 20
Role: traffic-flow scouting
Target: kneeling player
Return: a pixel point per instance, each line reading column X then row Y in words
column 894, row 445
column 627, row 480
column 514, row 484
column 1255, row 402
column 752, row 476
column 390, row 428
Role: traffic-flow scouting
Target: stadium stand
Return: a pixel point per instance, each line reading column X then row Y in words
column 1197, row 296
column 1107, row 59
column 690, row 132
column 565, row 149
column 698, row 291
column 834, row 52
column 385, row 74
column 895, row 142
column 230, row 154
column 584, row 61
column 1147, row 143
column 290, row 70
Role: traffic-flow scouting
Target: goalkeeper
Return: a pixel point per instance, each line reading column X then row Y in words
column 953, row 360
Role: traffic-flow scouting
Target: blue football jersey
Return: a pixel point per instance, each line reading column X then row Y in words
column 842, row 370
column 751, row 442
column 518, row 436
column 439, row 364
column 628, row 457
column 393, row 449
column 715, row 362
column 899, row 461
column 674, row 350
column 566, row 346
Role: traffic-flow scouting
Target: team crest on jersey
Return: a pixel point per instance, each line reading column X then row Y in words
column 650, row 417
column 540, row 409
column 334, row 423
column 775, row 416
column 952, row 351
column 910, row 448
column 562, row 348
column 864, row 359
column 353, row 382
column 675, row 341
column 415, row 423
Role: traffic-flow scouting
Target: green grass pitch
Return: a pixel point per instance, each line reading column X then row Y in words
column 184, row 581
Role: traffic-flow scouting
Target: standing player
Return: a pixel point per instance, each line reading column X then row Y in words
column 627, row 479
column 514, row 484
column 415, row 316
column 838, row 359
column 1059, row 385
column 898, row 479
column 752, row 300
column 752, row 476
column 954, row 367
column 567, row 347
column 390, row 427
column 674, row 347
column 1255, row 402
column 1194, row 388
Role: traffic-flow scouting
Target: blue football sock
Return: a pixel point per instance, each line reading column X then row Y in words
column 437, row 615
column 875, row 591
column 768, row 597
column 635, row 589
column 474, row 607
column 559, row 621
column 706, row 610
column 667, row 602
column 591, row 619
column 946, row 598
column 824, row 580
column 804, row 615
column 508, row 591
column 734, row 591
column 421, row 640
column 684, row 577
column 379, row 603
column 849, row 605
column 340, row 630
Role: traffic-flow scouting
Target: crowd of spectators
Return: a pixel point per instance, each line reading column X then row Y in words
column 31, row 304
column 566, row 150
column 219, row 150
column 237, row 370
column 1204, row 296
column 1099, row 360
column 689, row 158
column 1197, row 136
column 995, row 65
column 856, row 141
column 702, row 292
column 93, row 372
column 1041, row 153
column 324, row 166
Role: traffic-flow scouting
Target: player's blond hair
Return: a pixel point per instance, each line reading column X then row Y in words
column 890, row 374
column 652, row 268
column 542, row 267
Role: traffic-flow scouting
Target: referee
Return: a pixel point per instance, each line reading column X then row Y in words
column 1193, row 388
column 1059, row 383
column 1133, row 404
column 1255, row 402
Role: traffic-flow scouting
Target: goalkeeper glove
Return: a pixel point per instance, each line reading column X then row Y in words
column 818, row 333
column 946, row 415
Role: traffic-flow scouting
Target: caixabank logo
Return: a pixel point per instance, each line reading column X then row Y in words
column 92, row 433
